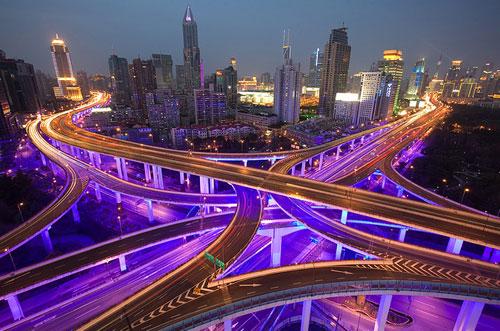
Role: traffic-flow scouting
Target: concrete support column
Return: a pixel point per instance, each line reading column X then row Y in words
column 362, row 139
column 293, row 171
column 273, row 161
column 147, row 173
column 245, row 163
column 149, row 204
column 76, row 214
column 228, row 325
column 119, row 167
column 306, row 315
column 337, row 154
column 15, row 307
column 160, row 177
column 495, row 256
column 468, row 316
column 352, row 144
column 204, row 185
column 276, row 248
column 321, row 157
column 383, row 311
column 47, row 242
column 343, row 216
column 402, row 234
column 181, row 177
column 383, row 182
column 123, row 263
column 124, row 169
column 338, row 251
column 155, row 177
column 98, row 161
column 44, row 159
column 212, row 185
column 454, row 245
column 400, row 191
column 303, row 168
column 118, row 197
column 91, row 159
column 97, row 190
column 487, row 253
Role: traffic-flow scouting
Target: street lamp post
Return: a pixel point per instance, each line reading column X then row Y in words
column 19, row 205
column 466, row 190
column 11, row 258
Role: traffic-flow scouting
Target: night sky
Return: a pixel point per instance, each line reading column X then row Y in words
column 251, row 30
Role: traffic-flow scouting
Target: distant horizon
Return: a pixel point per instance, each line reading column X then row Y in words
column 93, row 30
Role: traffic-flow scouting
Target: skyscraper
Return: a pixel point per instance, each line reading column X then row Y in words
column 120, row 83
column 163, row 70
column 315, row 63
column 66, row 81
column 392, row 64
column 451, row 83
column 417, row 81
column 334, row 71
column 142, row 81
column 287, row 87
column 192, row 65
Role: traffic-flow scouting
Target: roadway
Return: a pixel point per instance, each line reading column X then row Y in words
column 479, row 229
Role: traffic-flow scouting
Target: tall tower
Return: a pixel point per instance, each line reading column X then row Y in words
column 336, row 58
column 120, row 81
column 417, row 81
column 66, row 81
column 315, row 63
column 287, row 87
column 392, row 64
column 192, row 66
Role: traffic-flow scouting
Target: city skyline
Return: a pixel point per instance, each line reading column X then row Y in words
column 252, row 44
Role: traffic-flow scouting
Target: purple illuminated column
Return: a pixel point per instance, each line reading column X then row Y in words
column 383, row 311
column 306, row 315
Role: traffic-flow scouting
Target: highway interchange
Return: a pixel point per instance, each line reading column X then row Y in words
column 172, row 302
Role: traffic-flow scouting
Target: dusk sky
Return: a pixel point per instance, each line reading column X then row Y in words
column 251, row 31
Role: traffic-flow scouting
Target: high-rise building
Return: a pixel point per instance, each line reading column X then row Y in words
column 417, row 81
column 163, row 70
column 265, row 78
column 287, row 87
column 370, row 84
column 192, row 59
column 376, row 96
column 336, row 57
column 180, row 77
column 66, row 80
column 451, row 85
column 392, row 64
column 315, row 63
column 120, row 82
column 209, row 107
column 45, row 85
column 18, row 93
column 142, row 81
column 83, row 81
column 163, row 116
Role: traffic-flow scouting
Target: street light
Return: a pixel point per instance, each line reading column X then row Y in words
column 19, row 205
column 466, row 190
column 11, row 258
column 120, row 222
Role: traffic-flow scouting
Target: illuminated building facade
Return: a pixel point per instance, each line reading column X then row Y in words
column 334, row 71
column 248, row 84
column 315, row 63
column 142, row 81
column 346, row 107
column 451, row 85
column 209, row 107
column 392, row 64
column 66, row 81
column 287, row 87
column 417, row 82
column 192, row 59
